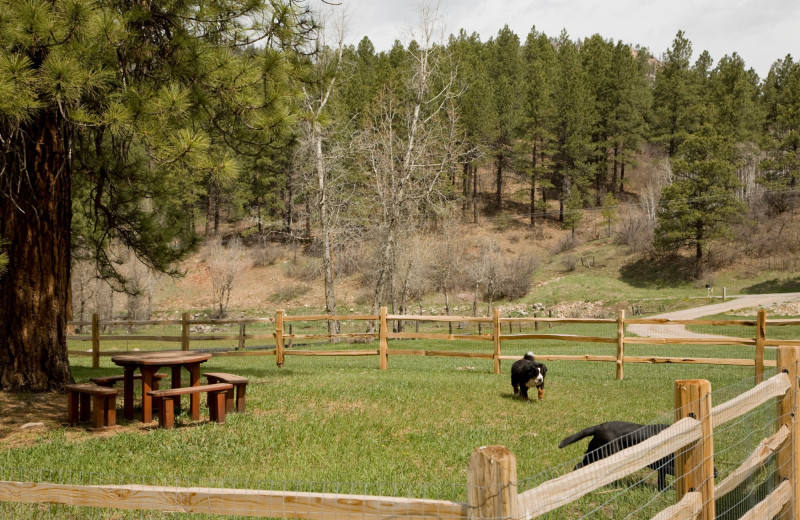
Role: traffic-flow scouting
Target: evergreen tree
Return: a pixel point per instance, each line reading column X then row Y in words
column 475, row 108
column 114, row 111
column 701, row 204
column 505, row 70
column 574, row 122
column 539, row 114
column 781, row 167
column 734, row 99
column 677, row 104
column 631, row 100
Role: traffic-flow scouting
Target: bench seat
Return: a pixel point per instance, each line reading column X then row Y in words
column 166, row 402
column 112, row 380
column 85, row 400
column 239, row 382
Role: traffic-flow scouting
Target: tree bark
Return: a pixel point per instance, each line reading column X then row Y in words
column 35, row 219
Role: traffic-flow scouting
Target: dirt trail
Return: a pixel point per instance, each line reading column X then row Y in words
column 743, row 301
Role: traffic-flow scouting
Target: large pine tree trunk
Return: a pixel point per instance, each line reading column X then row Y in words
column 35, row 218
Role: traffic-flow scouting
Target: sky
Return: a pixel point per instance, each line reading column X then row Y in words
column 760, row 31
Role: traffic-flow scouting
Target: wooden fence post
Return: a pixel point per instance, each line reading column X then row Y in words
column 694, row 464
column 185, row 331
column 95, row 341
column 279, row 338
column 788, row 461
column 383, row 341
column 496, row 337
column 620, row 342
column 492, row 484
column 241, row 337
column 761, row 336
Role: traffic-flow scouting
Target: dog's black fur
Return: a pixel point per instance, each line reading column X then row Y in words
column 527, row 373
column 610, row 437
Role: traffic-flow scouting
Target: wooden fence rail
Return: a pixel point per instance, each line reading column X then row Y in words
column 389, row 336
column 492, row 485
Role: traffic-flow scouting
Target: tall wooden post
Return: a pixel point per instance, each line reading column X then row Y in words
column 383, row 341
column 241, row 336
column 620, row 342
column 694, row 464
column 492, row 484
column 185, row 331
column 496, row 338
column 279, row 338
column 95, row 341
column 788, row 460
column 761, row 336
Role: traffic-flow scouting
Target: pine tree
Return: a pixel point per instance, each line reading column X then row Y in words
column 574, row 122
column 782, row 140
column 505, row 69
column 113, row 112
column 701, row 204
column 676, row 100
column 539, row 114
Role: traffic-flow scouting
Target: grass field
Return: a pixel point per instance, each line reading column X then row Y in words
column 342, row 425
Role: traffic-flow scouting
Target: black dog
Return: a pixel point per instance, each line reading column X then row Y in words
column 527, row 373
column 610, row 437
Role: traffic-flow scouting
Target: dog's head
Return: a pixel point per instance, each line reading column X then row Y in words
column 536, row 372
column 530, row 370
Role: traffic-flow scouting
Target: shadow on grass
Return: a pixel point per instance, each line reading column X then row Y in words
column 659, row 273
column 778, row 285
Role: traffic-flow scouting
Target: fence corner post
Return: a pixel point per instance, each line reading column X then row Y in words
column 383, row 340
column 496, row 338
column 492, row 484
column 761, row 336
column 95, row 341
column 788, row 459
column 694, row 464
column 620, row 343
column 279, row 337
column 185, row 331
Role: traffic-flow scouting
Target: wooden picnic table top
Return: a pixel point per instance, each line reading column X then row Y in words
column 161, row 359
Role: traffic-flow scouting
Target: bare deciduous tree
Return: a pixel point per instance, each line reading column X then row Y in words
column 405, row 149
column 224, row 264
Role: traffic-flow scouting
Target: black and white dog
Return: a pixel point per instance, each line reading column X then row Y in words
column 527, row 373
column 610, row 437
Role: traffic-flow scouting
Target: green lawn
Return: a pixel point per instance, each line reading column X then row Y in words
column 342, row 425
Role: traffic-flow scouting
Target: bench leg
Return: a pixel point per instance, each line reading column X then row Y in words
column 85, row 407
column 111, row 411
column 99, row 411
column 240, row 395
column 72, row 407
column 229, row 400
column 166, row 412
column 217, row 404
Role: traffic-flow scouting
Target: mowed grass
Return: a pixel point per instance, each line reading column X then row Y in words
column 339, row 424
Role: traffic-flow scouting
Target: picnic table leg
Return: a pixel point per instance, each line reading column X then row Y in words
column 194, row 378
column 147, row 384
column 127, row 391
column 176, row 383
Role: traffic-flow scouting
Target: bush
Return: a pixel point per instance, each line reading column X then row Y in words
column 286, row 294
column 265, row 255
column 567, row 243
column 636, row 231
column 306, row 270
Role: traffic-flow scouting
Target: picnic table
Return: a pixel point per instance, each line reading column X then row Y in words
column 148, row 363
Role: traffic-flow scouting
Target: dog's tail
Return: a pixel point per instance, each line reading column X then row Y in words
column 587, row 432
column 528, row 356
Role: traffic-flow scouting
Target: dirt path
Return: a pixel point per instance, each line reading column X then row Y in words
column 744, row 301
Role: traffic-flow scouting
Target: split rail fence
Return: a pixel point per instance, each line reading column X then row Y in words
column 390, row 331
column 492, row 484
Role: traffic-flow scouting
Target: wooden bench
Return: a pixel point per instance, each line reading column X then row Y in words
column 239, row 382
column 166, row 402
column 85, row 400
column 110, row 381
